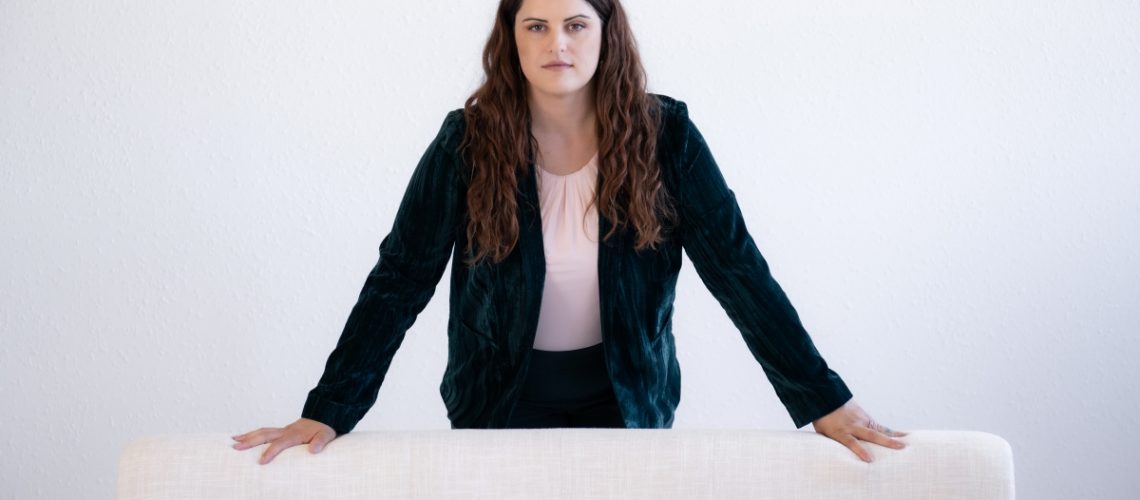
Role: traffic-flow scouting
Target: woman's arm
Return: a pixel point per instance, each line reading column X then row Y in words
column 412, row 259
column 726, row 258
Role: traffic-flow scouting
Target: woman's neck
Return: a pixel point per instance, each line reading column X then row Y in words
column 562, row 116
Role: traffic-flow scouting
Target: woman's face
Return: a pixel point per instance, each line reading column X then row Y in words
column 553, row 32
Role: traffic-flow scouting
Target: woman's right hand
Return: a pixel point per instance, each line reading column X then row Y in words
column 302, row 431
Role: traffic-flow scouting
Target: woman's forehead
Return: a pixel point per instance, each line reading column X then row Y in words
column 554, row 11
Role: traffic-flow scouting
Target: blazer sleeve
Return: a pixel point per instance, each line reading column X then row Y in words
column 726, row 259
column 412, row 260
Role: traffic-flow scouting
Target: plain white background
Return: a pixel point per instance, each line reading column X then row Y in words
column 191, row 194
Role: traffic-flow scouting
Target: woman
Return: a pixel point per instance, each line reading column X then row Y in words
column 563, row 194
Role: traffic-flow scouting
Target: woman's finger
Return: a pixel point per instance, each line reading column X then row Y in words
column 319, row 439
column 886, row 430
column 892, row 432
column 241, row 437
column 258, row 438
column 849, row 441
column 271, row 435
column 873, row 436
column 277, row 446
column 248, row 440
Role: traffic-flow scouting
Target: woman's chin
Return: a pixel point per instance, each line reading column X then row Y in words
column 558, row 90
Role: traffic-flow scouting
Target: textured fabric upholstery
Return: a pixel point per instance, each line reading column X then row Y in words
column 657, row 464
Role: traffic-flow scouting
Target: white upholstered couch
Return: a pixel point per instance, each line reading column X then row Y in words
column 548, row 464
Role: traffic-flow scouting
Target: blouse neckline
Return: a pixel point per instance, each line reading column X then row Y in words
column 571, row 174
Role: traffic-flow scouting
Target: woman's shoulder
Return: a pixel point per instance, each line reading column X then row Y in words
column 674, row 132
column 671, row 105
column 451, row 130
column 674, row 120
column 453, row 121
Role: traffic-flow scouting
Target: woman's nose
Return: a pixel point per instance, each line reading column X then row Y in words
column 559, row 44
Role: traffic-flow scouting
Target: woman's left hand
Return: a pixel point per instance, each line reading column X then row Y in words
column 849, row 423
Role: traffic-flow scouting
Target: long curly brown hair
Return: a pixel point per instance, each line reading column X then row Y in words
column 498, row 144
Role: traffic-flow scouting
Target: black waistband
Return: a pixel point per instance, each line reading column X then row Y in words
column 567, row 375
column 582, row 353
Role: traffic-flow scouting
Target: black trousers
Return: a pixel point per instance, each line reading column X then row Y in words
column 567, row 389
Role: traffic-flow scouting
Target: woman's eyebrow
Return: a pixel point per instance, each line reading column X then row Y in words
column 564, row 20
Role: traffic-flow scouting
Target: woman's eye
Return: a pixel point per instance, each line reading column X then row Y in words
column 539, row 27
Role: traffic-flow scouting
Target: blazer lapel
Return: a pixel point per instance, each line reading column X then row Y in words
column 530, row 247
column 607, row 268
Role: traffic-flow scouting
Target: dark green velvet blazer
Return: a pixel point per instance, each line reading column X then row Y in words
column 494, row 308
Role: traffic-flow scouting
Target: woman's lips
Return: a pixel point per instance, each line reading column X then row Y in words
column 557, row 67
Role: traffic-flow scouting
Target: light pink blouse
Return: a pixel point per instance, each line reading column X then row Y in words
column 570, row 316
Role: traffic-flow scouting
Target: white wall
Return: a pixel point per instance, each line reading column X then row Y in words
column 191, row 194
